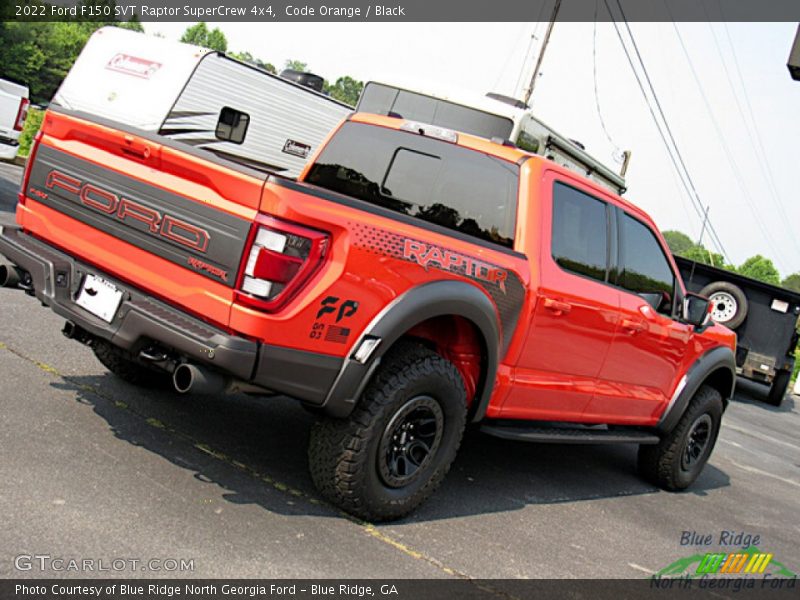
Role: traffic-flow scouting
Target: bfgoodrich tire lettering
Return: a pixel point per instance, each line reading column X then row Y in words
column 675, row 463
column 358, row 464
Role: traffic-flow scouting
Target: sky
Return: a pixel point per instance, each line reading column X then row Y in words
column 733, row 109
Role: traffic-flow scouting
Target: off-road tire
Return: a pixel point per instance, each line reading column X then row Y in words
column 733, row 291
column 662, row 464
column 344, row 458
column 779, row 387
column 125, row 366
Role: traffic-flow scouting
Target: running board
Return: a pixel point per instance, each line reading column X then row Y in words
column 563, row 435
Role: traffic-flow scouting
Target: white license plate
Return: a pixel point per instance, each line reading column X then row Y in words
column 99, row 297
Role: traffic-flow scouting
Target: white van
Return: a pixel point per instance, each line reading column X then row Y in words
column 13, row 111
column 201, row 97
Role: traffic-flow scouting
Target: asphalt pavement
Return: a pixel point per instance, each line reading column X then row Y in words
column 93, row 468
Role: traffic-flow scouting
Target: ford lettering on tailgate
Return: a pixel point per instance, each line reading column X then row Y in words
column 173, row 227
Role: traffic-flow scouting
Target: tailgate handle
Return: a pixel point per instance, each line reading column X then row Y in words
column 557, row 306
column 131, row 148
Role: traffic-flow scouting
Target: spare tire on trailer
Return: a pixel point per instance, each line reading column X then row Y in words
column 728, row 301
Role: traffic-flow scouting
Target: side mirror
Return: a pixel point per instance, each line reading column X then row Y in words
column 697, row 311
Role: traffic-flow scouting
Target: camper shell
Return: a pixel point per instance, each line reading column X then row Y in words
column 200, row 97
column 495, row 117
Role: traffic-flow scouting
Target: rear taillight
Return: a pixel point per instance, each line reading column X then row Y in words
column 26, row 174
column 22, row 114
column 281, row 257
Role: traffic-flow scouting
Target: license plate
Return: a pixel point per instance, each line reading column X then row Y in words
column 99, row 297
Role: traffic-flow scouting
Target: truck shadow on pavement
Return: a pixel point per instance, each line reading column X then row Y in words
column 252, row 450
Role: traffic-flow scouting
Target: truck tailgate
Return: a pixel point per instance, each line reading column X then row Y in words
column 172, row 222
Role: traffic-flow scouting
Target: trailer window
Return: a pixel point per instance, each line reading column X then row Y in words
column 232, row 125
column 580, row 232
column 425, row 178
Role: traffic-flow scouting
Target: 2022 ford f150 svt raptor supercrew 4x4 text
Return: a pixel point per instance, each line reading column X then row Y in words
column 413, row 280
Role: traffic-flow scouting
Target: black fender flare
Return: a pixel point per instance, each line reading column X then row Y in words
column 715, row 360
column 434, row 299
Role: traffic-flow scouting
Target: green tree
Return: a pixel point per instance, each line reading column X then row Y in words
column 39, row 54
column 249, row 58
column 346, row 89
column 701, row 254
column 296, row 65
column 133, row 24
column 761, row 268
column 199, row 35
column 792, row 282
column 678, row 241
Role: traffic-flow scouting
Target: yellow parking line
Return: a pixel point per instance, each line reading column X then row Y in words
column 365, row 526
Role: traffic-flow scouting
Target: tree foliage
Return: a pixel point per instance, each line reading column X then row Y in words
column 756, row 267
column 761, row 268
column 199, row 35
column 792, row 282
column 678, row 242
column 249, row 58
column 681, row 244
column 346, row 89
column 296, row 65
column 39, row 54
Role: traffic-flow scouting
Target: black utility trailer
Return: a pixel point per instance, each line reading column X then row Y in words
column 764, row 317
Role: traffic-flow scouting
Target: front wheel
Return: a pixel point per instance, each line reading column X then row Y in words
column 398, row 444
column 677, row 460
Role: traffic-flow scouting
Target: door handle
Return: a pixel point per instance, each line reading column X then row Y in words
column 632, row 326
column 557, row 306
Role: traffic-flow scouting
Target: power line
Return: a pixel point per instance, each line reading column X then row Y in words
column 760, row 152
column 672, row 150
column 726, row 149
column 594, row 73
column 700, row 205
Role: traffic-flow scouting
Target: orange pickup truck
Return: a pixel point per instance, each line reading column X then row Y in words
column 413, row 279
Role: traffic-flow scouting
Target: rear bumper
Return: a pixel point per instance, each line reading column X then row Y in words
column 141, row 320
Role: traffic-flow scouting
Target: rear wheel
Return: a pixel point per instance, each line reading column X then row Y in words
column 675, row 463
column 780, row 385
column 397, row 446
column 125, row 366
column 728, row 302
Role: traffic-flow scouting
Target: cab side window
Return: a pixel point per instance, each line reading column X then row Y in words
column 645, row 269
column 580, row 232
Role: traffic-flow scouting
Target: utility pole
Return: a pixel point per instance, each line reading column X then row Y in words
column 535, row 76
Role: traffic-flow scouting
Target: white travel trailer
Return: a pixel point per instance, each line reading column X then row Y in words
column 493, row 116
column 13, row 111
column 200, row 97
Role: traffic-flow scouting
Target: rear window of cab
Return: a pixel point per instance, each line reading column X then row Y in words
column 422, row 177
